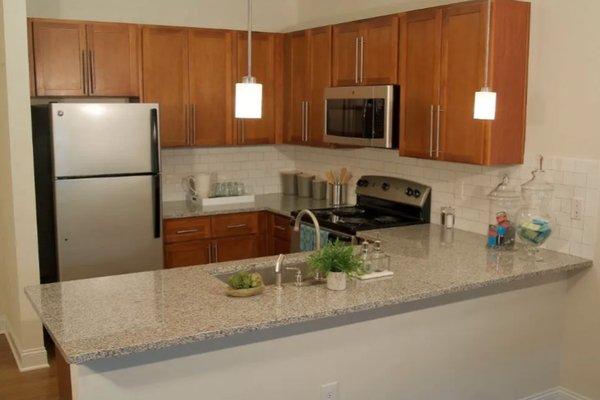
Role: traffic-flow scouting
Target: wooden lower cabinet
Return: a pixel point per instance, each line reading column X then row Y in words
column 280, row 246
column 237, row 248
column 184, row 254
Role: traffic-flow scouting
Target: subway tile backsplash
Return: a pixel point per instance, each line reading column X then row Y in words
column 463, row 186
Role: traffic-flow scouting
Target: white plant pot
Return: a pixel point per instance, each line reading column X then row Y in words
column 336, row 281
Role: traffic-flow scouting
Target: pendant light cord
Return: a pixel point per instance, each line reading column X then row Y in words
column 249, row 38
column 487, row 43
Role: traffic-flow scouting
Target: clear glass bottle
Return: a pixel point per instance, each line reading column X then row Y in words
column 535, row 221
column 505, row 201
column 379, row 260
column 366, row 258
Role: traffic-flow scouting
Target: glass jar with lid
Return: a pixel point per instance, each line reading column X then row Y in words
column 505, row 201
column 535, row 221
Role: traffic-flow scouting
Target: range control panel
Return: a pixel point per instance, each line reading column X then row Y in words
column 393, row 189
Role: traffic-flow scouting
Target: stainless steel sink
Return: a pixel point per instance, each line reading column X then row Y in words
column 288, row 275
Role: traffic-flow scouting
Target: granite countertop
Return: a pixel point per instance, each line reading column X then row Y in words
column 106, row 317
column 277, row 203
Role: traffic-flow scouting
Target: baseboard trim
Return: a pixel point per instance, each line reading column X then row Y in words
column 558, row 393
column 27, row 359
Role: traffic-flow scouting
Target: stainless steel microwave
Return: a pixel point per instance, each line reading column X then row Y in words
column 362, row 115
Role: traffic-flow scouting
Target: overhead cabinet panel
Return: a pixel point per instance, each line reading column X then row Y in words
column 165, row 80
column 60, row 58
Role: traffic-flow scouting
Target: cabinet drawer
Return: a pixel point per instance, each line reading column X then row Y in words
column 234, row 224
column 186, row 229
column 187, row 253
column 281, row 227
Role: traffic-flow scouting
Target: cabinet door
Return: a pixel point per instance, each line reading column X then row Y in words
column 187, row 253
column 211, row 69
column 237, row 248
column 60, row 58
column 378, row 58
column 345, row 54
column 165, row 80
column 320, row 78
column 258, row 131
column 463, row 53
column 298, row 52
column 113, row 55
column 420, row 41
column 280, row 246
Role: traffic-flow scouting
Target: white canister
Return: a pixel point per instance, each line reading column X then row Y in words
column 336, row 281
column 197, row 186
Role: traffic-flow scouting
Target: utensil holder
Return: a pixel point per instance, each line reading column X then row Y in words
column 319, row 189
column 338, row 194
column 305, row 185
column 289, row 182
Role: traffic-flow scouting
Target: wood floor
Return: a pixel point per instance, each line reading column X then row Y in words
column 34, row 385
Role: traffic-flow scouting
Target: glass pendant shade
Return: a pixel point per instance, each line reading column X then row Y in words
column 485, row 104
column 248, row 100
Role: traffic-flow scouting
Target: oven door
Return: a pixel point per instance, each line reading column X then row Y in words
column 360, row 116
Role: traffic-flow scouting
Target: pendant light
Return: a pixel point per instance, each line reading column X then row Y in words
column 485, row 99
column 248, row 93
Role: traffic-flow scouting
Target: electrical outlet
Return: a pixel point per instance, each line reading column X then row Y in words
column 577, row 209
column 329, row 391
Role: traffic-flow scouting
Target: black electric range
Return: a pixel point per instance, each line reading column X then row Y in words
column 381, row 202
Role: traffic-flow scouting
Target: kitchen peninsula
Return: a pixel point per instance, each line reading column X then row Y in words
column 174, row 334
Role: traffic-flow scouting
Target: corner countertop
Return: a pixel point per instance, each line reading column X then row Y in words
column 277, row 203
column 118, row 315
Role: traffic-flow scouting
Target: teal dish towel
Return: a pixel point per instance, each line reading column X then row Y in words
column 307, row 237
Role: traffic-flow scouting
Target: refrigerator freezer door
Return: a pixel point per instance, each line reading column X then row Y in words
column 107, row 226
column 102, row 138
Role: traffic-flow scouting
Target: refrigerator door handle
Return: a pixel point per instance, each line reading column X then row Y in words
column 156, row 211
column 154, row 140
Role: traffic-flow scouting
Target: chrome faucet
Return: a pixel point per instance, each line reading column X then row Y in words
column 279, row 271
column 315, row 222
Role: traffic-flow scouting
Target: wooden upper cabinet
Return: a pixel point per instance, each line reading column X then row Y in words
column 420, row 81
column 379, row 51
column 463, row 54
column 113, row 56
column 258, row 131
column 72, row 58
column 442, row 64
column 165, row 81
column 346, row 54
column 297, row 55
column 211, row 88
column 366, row 52
column 60, row 58
column 319, row 73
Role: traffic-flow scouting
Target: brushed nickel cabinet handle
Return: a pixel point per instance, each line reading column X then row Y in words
column 186, row 231
column 356, row 50
column 281, row 228
column 238, row 226
column 84, row 71
column 92, row 71
column 431, row 111
column 302, row 121
column 193, row 124
column 216, row 252
column 362, row 58
column 186, row 116
column 307, row 128
column 210, row 255
column 437, row 139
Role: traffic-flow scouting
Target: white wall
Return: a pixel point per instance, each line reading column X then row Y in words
column 498, row 347
column 18, row 236
column 269, row 15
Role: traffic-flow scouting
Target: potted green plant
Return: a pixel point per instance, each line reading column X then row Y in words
column 336, row 261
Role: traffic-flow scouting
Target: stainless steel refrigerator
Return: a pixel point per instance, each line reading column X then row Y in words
column 98, row 194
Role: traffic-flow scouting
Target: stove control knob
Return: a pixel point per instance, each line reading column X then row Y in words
column 362, row 183
column 409, row 192
column 417, row 193
column 385, row 186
